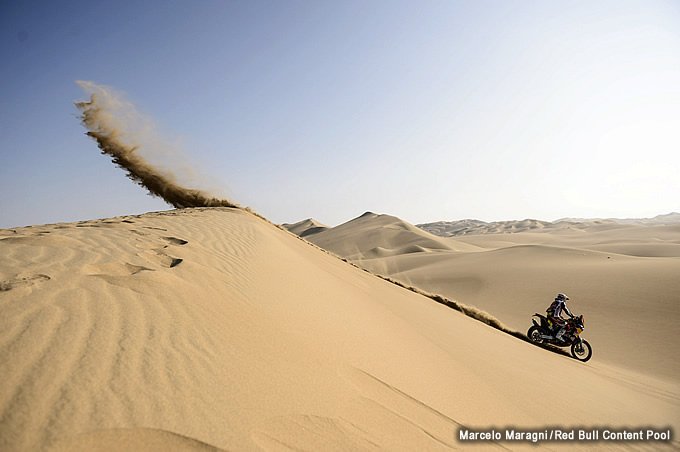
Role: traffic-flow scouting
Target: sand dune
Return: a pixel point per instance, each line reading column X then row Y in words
column 381, row 234
column 305, row 227
column 469, row 226
column 477, row 227
column 669, row 218
column 211, row 328
column 622, row 276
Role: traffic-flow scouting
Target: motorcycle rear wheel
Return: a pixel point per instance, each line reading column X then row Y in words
column 534, row 335
column 583, row 351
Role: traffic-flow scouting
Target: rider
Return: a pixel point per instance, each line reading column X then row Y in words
column 555, row 314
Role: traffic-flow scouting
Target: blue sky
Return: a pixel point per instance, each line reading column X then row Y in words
column 425, row 110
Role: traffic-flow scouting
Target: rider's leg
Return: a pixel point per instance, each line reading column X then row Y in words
column 559, row 328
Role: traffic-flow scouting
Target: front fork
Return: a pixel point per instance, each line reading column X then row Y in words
column 578, row 342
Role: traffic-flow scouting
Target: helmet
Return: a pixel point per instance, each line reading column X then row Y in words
column 561, row 297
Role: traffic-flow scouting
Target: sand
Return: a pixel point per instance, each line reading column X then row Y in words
column 212, row 329
column 623, row 277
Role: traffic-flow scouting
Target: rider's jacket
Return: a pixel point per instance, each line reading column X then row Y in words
column 555, row 309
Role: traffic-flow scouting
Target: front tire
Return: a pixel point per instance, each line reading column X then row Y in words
column 583, row 351
column 534, row 335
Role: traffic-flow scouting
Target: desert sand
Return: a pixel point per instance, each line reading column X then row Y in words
column 204, row 329
column 624, row 277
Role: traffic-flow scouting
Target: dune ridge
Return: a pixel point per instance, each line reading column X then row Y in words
column 98, row 116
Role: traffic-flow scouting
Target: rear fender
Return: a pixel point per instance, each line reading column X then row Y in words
column 543, row 319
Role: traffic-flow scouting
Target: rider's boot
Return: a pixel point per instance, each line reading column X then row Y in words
column 559, row 334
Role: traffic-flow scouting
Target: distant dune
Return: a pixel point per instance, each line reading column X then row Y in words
column 211, row 329
column 623, row 276
column 381, row 234
column 475, row 227
column 305, row 227
column 465, row 227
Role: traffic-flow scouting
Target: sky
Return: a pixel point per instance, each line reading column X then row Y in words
column 426, row 110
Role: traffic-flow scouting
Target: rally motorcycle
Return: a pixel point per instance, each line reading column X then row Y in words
column 544, row 333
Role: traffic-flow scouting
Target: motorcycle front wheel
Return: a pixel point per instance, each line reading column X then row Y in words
column 583, row 351
column 534, row 335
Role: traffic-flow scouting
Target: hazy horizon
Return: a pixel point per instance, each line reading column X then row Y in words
column 553, row 220
column 431, row 112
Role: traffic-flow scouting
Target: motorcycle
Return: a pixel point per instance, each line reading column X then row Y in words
column 543, row 334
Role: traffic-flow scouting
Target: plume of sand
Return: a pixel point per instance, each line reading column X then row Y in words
column 104, row 123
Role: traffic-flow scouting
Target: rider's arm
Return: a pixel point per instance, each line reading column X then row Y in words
column 566, row 309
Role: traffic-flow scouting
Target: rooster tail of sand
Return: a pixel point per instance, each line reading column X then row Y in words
column 99, row 118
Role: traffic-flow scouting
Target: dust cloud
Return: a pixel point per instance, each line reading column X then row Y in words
column 124, row 134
